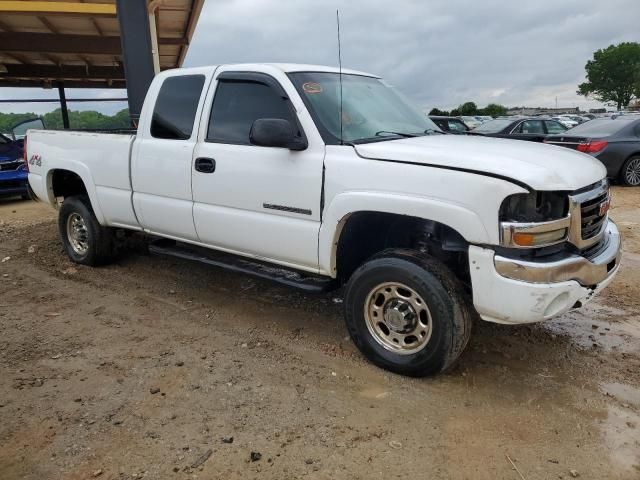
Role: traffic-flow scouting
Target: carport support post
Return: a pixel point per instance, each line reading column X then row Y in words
column 63, row 106
column 137, row 52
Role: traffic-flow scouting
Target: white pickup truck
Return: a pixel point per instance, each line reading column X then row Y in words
column 318, row 180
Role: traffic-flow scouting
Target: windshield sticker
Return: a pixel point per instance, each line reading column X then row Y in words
column 312, row 87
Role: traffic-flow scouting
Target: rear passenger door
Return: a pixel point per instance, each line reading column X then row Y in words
column 258, row 201
column 162, row 155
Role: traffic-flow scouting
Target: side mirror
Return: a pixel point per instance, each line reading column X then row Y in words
column 275, row 132
column 19, row 130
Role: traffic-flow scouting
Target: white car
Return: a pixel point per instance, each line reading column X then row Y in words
column 567, row 122
column 471, row 122
column 261, row 168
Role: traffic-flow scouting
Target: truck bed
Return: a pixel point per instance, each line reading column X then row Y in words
column 101, row 159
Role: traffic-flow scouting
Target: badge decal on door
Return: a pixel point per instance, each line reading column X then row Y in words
column 283, row 208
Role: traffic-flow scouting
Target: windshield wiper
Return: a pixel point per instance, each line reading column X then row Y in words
column 433, row 130
column 400, row 134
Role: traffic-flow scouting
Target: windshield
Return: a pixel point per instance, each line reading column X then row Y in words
column 371, row 110
column 600, row 128
column 493, row 126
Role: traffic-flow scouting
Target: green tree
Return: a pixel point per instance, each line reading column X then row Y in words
column 468, row 108
column 8, row 120
column 437, row 111
column 455, row 112
column 613, row 76
column 494, row 110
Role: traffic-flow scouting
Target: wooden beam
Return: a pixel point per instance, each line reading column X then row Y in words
column 63, row 72
column 4, row 27
column 63, row 43
column 18, row 82
column 52, row 43
column 95, row 24
column 191, row 27
column 52, row 8
column 47, row 23
column 17, row 58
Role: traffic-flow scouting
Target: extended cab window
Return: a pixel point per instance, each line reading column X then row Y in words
column 176, row 105
column 237, row 104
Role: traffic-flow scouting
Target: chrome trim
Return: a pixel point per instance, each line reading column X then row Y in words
column 586, row 271
column 508, row 229
column 552, row 142
column 575, row 213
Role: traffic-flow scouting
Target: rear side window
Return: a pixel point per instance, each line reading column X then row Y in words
column 175, row 110
column 442, row 124
column 237, row 104
column 530, row 126
column 554, row 127
column 457, row 126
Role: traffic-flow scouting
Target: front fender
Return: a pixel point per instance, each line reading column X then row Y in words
column 466, row 222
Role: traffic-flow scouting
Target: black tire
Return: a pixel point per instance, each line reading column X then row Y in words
column 451, row 315
column 99, row 239
column 629, row 173
column 29, row 195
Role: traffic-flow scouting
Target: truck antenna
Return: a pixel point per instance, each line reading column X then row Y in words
column 340, row 72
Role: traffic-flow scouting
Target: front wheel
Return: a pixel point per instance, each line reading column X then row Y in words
column 407, row 313
column 84, row 239
column 630, row 172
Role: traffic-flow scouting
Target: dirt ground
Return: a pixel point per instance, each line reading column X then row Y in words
column 83, row 350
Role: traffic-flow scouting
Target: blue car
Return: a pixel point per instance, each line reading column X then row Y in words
column 13, row 172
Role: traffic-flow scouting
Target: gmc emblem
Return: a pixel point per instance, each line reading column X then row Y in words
column 604, row 207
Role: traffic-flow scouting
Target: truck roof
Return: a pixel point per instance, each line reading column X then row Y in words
column 285, row 67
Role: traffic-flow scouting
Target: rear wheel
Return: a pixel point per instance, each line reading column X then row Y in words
column 84, row 239
column 407, row 313
column 630, row 173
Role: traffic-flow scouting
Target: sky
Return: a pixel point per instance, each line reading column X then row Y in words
column 438, row 53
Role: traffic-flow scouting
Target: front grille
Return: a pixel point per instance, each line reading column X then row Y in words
column 10, row 165
column 591, row 220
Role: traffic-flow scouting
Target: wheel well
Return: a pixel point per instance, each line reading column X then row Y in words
column 65, row 183
column 366, row 233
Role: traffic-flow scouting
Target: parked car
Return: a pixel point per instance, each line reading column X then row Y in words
column 261, row 168
column 471, row 122
column 576, row 118
column 532, row 129
column 13, row 172
column 616, row 143
column 450, row 124
column 567, row 122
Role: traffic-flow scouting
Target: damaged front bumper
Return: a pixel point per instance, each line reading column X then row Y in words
column 507, row 290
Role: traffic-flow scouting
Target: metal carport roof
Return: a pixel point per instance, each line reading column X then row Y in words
column 78, row 44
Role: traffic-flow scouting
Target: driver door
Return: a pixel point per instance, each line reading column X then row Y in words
column 258, row 201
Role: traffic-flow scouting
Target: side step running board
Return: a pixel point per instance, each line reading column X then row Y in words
column 284, row 276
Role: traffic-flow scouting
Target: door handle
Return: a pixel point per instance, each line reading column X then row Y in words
column 205, row 165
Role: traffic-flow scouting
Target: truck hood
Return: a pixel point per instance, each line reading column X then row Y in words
column 540, row 166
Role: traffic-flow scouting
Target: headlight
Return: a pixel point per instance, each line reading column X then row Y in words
column 536, row 219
